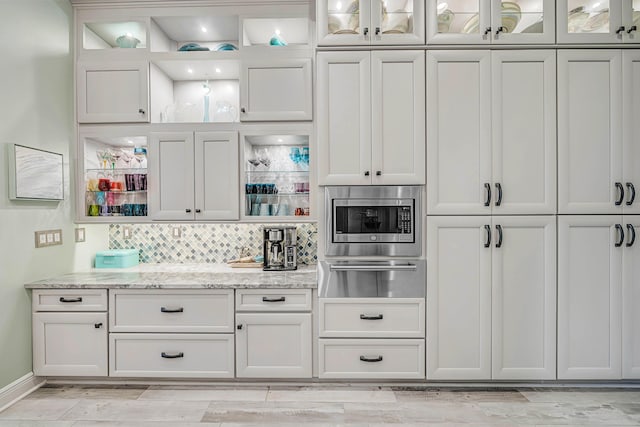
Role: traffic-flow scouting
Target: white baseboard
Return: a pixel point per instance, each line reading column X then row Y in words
column 19, row 389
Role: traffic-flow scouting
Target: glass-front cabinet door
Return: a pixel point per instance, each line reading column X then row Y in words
column 112, row 176
column 598, row 21
column 491, row 21
column 366, row 22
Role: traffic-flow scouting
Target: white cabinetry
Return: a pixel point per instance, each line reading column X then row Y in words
column 491, row 21
column 113, row 92
column 70, row 333
column 631, row 299
column 607, row 21
column 371, row 118
column 476, row 286
column 364, row 22
column 371, row 338
column 194, row 176
column 276, row 90
column 143, row 341
column 467, row 173
column 273, row 333
column 631, row 128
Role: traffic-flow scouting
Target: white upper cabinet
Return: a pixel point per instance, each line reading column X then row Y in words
column 490, row 21
column 590, row 250
column 631, row 129
column 371, row 118
column 375, row 22
column 524, row 131
column 598, row 21
column 276, row 90
column 113, row 92
column 194, row 176
column 590, row 168
column 459, row 132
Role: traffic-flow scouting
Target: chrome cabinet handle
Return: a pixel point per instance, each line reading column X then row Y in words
column 378, row 173
column 141, row 111
column 370, row 317
column 487, row 187
column 499, row 190
column 488, row 230
column 371, row 359
column 632, row 193
column 243, row 110
column 239, row 327
column 279, row 299
column 487, row 30
column 97, row 325
column 63, row 299
column 403, row 267
column 499, row 242
column 620, row 235
column 377, row 31
column 198, row 211
column 620, row 30
column 366, row 173
column 187, row 210
column 172, row 356
column 500, row 30
column 172, row 310
column 632, row 235
column 632, row 29
column 620, row 192
column 365, row 31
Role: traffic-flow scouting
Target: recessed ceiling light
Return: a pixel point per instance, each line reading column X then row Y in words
column 204, row 30
column 218, row 70
column 277, row 31
column 129, row 141
column 189, row 70
column 279, row 139
column 129, row 35
column 339, row 5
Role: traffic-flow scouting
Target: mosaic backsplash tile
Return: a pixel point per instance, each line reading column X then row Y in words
column 204, row 243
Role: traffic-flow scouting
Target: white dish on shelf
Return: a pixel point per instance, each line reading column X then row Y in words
column 596, row 21
column 576, row 19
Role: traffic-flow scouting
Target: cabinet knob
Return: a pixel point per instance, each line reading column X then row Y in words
column 377, row 31
column 198, row 211
column 187, row 210
column 487, row 30
column 632, row 29
column 378, row 173
column 620, row 30
column 366, row 173
column 500, row 30
column 239, row 327
column 97, row 325
column 243, row 110
column 141, row 111
column 365, row 30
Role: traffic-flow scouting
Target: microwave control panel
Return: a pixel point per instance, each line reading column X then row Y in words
column 404, row 220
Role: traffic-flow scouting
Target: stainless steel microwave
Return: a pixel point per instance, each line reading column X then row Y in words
column 373, row 221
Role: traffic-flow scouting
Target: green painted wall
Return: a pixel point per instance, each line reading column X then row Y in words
column 36, row 109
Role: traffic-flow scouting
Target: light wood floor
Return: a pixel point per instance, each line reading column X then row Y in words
column 321, row 405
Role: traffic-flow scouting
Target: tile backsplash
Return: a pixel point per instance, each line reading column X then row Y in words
column 204, row 243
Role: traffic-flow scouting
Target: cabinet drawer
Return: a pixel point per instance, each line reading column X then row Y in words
column 171, row 355
column 372, row 317
column 69, row 299
column 171, row 311
column 368, row 358
column 273, row 300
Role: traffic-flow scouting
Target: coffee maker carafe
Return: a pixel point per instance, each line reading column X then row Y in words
column 279, row 246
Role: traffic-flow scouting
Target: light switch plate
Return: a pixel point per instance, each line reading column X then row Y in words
column 176, row 232
column 46, row 238
column 126, row 232
column 80, row 235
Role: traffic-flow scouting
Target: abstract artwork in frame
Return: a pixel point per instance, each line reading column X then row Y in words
column 35, row 174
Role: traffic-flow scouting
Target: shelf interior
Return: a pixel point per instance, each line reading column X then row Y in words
column 107, row 35
column 170, row 33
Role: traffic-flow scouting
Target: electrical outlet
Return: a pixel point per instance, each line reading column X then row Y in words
column 48, row 238
column 176, row 232
column 126, row 232
column 80, row 235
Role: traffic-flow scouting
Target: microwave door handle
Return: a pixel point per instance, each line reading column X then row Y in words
column 409, row 267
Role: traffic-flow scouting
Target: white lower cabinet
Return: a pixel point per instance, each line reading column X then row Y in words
column 369, row 338
column 273, row 345
column 171, row 355
column 491, row 306
column 371, row 358
column 70, row 344
column 631, row 299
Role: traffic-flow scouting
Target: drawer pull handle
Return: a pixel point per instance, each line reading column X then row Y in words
column 171, row 310
column 97, row 325
column 370, row 317
column 63, row 299
column 172, row 356
column 279, row 299
column 371, row 359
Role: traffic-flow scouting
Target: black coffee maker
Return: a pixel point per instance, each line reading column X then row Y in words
column 279, row 248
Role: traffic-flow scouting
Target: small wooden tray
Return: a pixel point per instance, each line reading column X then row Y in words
column 245, row 265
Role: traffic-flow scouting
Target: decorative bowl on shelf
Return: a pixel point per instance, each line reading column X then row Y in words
column 226, row 46
column 511, row 15
column 444, row 21
column 192, row 47
column 127, row 41
column 597, row 21
column 276, row 40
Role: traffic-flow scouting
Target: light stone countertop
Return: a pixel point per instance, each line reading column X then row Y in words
column 183, row 276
